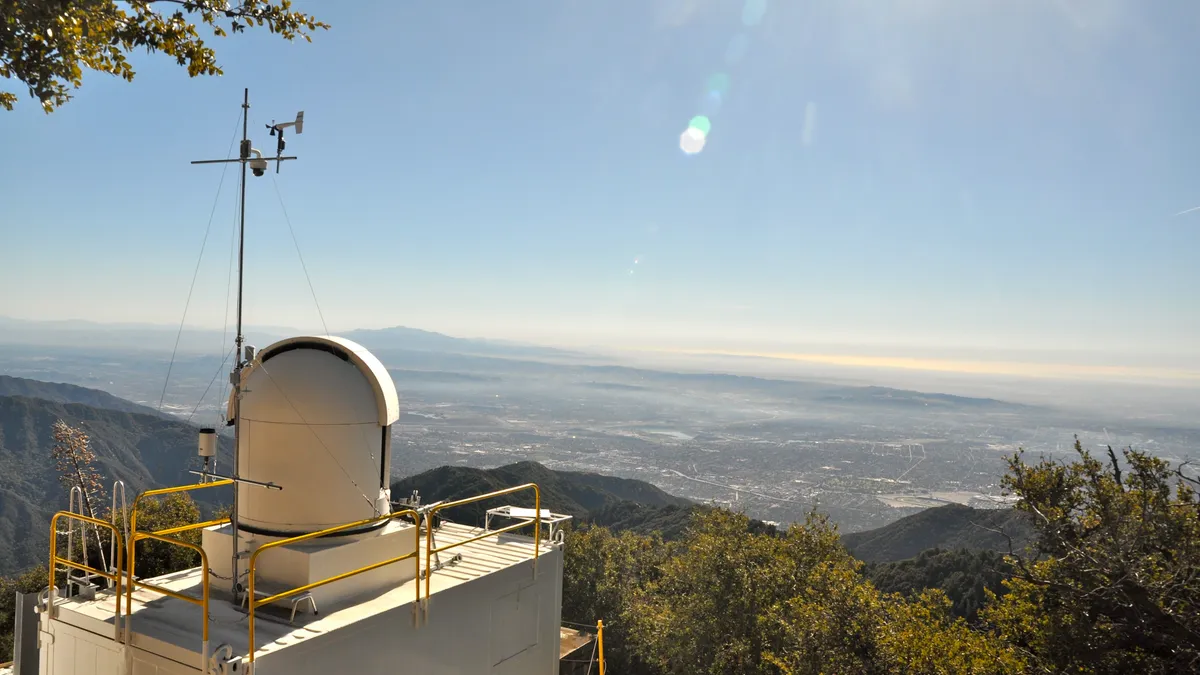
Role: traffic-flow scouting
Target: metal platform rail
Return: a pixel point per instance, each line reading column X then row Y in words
column 431, row 550
column 253, row 602
column 132, row 583
column 202, row 601
column 122, row 573
column 553, row 521
column 137, row 502
column 56, row 560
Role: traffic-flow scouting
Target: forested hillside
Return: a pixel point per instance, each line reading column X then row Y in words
column 946, row 527
column 1107, row 586
column 142, row 450
column 571, row 492
column 964, row 576
column 1102, row 582
column 59, row 392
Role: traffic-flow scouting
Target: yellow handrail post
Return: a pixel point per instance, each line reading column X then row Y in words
column 133, row 513
column 536, row 521
column 55, row 561
column 204, row 586
column 253, row 603
column 600, row 643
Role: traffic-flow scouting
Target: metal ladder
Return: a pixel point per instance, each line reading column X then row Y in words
column 118, row 487
column 80, row 582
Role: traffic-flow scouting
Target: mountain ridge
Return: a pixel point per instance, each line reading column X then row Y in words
column 62, row 392
column 574, row 493
column 948, row 527
column 143, row 450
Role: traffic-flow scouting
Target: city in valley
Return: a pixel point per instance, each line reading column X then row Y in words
column 773, row 447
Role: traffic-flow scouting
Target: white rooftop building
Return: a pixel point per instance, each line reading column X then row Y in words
column 332, row 580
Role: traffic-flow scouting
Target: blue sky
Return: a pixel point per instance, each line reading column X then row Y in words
column 929, row 174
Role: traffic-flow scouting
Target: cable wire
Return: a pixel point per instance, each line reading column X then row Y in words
column 233, row 232
column 196, row 272
column 592, row 660
column 299, row 254
column 210, row 384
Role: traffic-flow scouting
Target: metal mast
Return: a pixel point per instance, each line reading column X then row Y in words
column 242, row 355
column 235, row 378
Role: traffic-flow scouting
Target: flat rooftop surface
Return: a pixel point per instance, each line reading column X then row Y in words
column 571, row 639
column 178, row 623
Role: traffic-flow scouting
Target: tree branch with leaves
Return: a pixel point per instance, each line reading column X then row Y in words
column 76, row 465
column 1116, row 566
column 47, row 44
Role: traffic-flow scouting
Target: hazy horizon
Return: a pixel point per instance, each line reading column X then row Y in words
column 964, row 371
column 872, row 179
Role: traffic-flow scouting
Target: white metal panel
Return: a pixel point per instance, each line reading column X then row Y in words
column 520, row 512
column 329, row 475
column 386, row 388
column 455, row 639
column 387, row 400
column 309, row 386
column 311, row 423
column 304, row 563
column 514, row 626
column 146, row 663
column 67, row 650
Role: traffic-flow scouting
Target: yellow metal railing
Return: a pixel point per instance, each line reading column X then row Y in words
column 161, row 535
column 55, row 561
column 126, row 586
column 254, row 603
column 202, row 601
column 536, row 521
column 137, row 502
column 600, row 643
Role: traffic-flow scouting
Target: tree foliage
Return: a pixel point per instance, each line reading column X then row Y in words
column 31, row 581
column 1111, row 584
column 154, row 558
column 1114, row 584
column 76, row 465
column 47, row 44
column 602, row 575
column 726, row 599
column 964, row 576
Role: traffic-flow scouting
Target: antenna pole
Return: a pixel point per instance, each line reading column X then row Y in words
column 259, row 165
column 236, row 377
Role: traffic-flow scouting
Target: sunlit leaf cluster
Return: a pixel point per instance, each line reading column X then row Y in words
column 76, row 465
column 46, row 45
column 1111, row 585
column 725, row 600
column 1116, row 571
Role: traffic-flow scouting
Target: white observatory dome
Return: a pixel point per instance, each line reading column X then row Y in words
column 316, row 416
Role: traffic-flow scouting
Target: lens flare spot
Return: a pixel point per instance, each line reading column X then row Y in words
column 700, row 123
column 753, row 11
column 691, row 141
column 736, row 49
column 718, row 85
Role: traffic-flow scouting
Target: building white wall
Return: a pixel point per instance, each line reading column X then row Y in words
column 67, row 650
column 506, row 623
column 314, row 560
column 315, row 425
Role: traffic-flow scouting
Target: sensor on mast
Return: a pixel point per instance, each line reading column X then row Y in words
column 248, row 157
column 299, row 124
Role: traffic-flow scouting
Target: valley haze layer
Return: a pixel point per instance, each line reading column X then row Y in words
column 771, row 436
